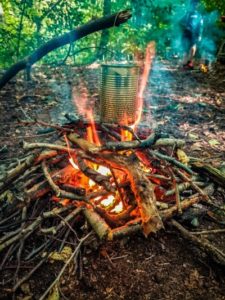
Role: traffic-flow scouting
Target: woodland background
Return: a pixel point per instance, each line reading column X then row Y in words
column 26, row 24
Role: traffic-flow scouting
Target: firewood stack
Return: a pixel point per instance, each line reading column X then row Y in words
column 129, row 182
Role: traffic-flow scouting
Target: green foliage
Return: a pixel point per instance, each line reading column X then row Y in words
column 27, row 24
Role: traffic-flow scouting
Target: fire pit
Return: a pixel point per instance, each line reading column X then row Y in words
column 112, row 177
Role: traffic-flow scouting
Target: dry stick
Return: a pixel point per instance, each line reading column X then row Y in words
column 170, row 212
column 99, row 225
column 83, row 144
column 66, row 236
column 28, row 174
column 30, row 228
column 8, row 253
column 72, row 257
column 177, row 193
column 213, row 173
column 197, row 188
column 10, row 217
column 59, row 193
column 94, row 175
column 128, row 229
column 27, row 276
column 9, row 235
column 135, row 226
column 46, row 155
column 206, row 232
column 158, row 177
column 128, row 145
column 217, row 255
column 140, row 144
column 171, row 160
column 70, row 216
column 19, row 253
column 15, row 173
column 118, row 187
column 30, row 146
column 182, row 187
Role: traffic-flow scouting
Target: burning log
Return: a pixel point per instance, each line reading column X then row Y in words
column 76, row 190
column 125, row 145
column 59, row 193
column 94, row 175
column 83, row 144
column 142, row 189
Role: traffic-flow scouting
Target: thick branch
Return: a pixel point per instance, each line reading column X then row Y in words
column 74, row 35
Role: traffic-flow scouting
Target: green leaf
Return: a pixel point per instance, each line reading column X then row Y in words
column 214, row 142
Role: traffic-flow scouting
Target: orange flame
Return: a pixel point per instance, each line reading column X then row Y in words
column 83, row 106
column 149, row 55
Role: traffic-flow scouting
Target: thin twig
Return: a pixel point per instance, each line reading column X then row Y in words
column 206, row 232
column 216, row 254
column 72, row 257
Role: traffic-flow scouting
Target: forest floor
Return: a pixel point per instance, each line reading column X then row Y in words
column 186, row 104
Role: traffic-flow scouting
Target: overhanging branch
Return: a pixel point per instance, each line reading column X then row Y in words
column 69, row 37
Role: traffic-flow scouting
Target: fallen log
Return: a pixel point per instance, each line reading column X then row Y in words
column 74, row 35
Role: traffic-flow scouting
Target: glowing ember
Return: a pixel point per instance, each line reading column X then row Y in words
column 91, row 183
column 118, row 208
column 126, row 135
column 104, row 170
column 108, row 201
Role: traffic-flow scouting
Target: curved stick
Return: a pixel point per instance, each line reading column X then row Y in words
column 69, row 37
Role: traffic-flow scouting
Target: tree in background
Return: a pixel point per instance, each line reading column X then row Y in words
column 29, row 23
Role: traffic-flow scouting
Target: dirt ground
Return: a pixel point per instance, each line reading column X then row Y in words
column 185, row 104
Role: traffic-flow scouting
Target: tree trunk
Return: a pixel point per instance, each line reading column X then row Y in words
column 105, row 33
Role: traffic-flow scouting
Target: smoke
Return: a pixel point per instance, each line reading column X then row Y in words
column 160, row 21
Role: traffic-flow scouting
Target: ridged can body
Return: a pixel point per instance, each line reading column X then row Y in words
column 118, row 93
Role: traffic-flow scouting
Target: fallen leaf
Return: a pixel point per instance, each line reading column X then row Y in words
column 64, row 255
column 182, row 157
column 193, row 136
column 54, row 294
column 214, row 142
column 196, row 147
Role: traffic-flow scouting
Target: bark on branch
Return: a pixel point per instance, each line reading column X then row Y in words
column 69, row 37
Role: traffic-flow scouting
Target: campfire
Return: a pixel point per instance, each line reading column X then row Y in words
column 117, row 178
